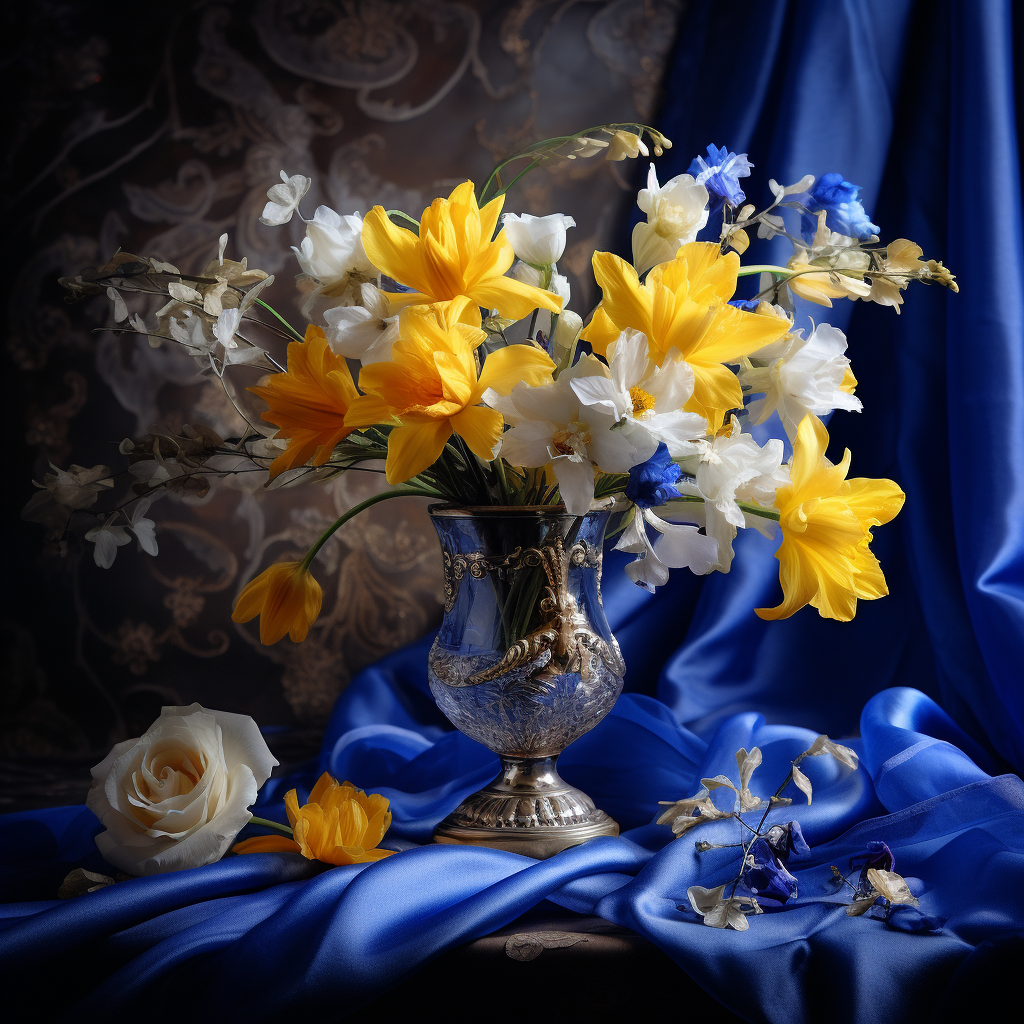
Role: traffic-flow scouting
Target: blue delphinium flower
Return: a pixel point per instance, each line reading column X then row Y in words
column 653, row 482
column 768, row 878
column 843, row 209
column 720, row 173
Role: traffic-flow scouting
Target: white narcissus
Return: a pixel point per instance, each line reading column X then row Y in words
column 549, row 425
column 733, row 467
column 332, row 258
column 804, row 375
column 365, row 332
column 648, row 397
column 177, row 796
column 676, row 211
column 539, row 241
column 679, row 545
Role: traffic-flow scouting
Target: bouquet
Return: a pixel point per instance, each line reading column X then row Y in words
column 444, row 347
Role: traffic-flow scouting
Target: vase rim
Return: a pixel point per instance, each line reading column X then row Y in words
column 614, row 503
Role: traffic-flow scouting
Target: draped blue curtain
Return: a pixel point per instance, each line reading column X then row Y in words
column 915, row 103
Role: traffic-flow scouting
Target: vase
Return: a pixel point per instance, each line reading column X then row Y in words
column 524, row 663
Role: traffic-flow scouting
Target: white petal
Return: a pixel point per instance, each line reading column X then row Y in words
column 575, row 484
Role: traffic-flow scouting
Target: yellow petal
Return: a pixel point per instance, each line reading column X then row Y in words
column 291, row 806
column 514, row 299
column 393, row 250
column 415, row 447
column 873, row 502
column 506, row 367
column 480, row 428
column 600, row 332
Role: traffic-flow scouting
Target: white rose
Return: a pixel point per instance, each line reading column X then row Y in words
column 177, row 796
column 537, row 240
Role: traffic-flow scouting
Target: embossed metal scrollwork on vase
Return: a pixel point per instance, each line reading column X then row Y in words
column 524, row 663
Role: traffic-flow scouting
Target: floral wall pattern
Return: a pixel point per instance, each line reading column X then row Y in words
column 158, row 135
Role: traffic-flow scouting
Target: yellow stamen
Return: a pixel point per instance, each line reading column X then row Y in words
column 643, row 401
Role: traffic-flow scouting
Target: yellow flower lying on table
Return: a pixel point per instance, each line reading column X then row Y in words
column 431, row 390
column 309, row 402
column 452, row 256
column 826, row 521
column 684, row 305
column 285, row 597
column 339, row 825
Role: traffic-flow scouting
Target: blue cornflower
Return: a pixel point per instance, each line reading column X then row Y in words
column 653, row 482
column 768, row 878
column 843, row 210
column 721, row 172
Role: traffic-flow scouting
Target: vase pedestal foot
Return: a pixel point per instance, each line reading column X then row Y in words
column 527, row 809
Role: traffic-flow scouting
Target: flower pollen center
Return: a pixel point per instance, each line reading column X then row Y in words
column 643, row 401
column 572, row 441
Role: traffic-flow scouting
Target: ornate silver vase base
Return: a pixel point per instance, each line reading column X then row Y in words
column 527, row 809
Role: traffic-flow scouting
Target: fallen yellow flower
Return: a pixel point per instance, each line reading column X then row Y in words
column 308, row 403
column 684, row 305
column 285, row 597
column 452, row 256
column 826, row 521
column 430, row 389
column 339, row 825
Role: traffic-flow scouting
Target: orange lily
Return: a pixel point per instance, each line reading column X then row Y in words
column 308, row 403
column 285, row 597
column 339, row 825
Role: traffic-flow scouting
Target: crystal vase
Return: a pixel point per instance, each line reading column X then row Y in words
column 524, row 663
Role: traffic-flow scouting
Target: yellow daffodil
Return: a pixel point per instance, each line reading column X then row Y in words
column 430, row 389
column 826, row 521
column 339, row 825
column 684, row 305
column 308, row 403
column 285, row 597
column 453, row 255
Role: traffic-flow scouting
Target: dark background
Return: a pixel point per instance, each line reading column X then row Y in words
column 155, row 133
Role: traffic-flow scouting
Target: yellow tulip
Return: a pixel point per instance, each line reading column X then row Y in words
column 285, row 597
column 454, row 255
column 826, row 520
column 684, row 305
column 431, row 390
column 339, row 825
column 308, row 403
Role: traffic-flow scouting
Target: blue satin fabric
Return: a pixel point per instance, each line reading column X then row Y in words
column 914, row 103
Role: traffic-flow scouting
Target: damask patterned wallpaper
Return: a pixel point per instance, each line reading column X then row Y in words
column 156, row 132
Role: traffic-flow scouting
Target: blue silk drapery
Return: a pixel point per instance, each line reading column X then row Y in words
column 914, row 102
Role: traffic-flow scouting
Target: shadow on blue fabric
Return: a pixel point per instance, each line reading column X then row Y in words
column 915, row 103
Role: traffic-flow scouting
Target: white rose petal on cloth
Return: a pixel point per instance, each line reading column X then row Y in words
column 676, row 211
column 284, row 199
column 177, row 796
column 539, row 241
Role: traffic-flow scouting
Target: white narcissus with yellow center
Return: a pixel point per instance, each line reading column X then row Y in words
column 649, row 398
column 550, row 425
column 676, row 211
column 801, row 375
column 177, row 796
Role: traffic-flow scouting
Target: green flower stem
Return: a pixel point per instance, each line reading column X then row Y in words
column 269, row 824
column 401, row 492
column 291, row 330
column 746, row 506
column 765, row 268
column 499, row 469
